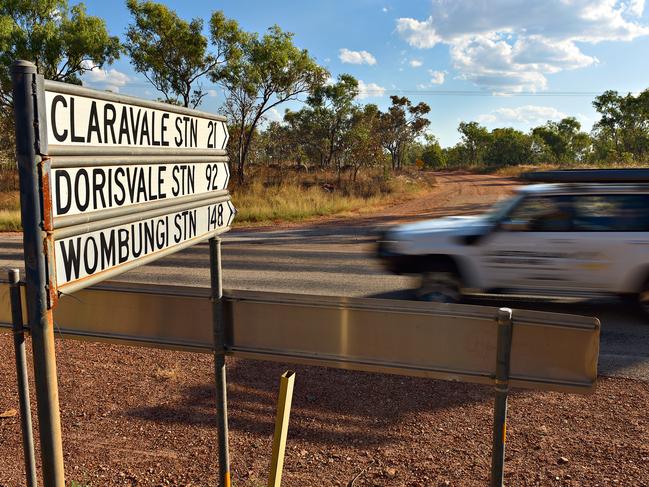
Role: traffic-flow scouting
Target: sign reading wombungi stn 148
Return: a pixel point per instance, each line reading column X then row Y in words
column 130, row 181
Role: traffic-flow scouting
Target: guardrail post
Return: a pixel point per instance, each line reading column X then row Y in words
column 27, row 91
column 284, row 400
column 219, row 360
column 22, row 378
column 503, row 354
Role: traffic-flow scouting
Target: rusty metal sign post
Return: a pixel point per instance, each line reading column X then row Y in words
column 30, row 144
column 109, row 183
column 22, row 378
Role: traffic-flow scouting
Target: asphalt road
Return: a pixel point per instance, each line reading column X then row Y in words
column 338, row 260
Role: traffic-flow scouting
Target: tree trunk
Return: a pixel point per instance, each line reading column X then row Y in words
column 240, row 156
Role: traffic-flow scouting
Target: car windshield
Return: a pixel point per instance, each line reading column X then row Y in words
column 501, row 208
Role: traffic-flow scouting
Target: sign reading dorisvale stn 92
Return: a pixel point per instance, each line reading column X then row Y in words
column 127, row 181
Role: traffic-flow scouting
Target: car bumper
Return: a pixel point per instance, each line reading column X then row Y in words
column 394, row 262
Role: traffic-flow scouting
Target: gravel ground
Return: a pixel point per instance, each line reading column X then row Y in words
column 139, row 416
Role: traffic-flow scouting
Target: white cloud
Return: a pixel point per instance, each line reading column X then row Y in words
column 511, row 45
column 110, row 79
column 416, row 63
column 418, row 34
column 212, row 93
column 273, row 115
column 527, row 115
column 436, row 77
column 384, row 9
column 356, row 57
column 367, row 90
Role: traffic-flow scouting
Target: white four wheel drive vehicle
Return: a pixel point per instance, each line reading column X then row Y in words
column 582, row 233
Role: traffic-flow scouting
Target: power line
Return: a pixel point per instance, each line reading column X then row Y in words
column 545, row 94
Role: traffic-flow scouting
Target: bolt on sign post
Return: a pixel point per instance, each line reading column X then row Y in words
column 109, row 183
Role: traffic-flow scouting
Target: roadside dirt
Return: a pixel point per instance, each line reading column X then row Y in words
column 138, row 416
column 455, row 193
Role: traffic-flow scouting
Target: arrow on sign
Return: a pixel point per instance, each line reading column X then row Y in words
column 233, row 212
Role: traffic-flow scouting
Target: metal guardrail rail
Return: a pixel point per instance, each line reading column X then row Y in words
column 452, row 342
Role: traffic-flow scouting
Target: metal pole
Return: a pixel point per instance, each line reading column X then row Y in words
column 284, row 400
column 25, row 97
column 219, row 360
column 503, row 354
column 23, row 380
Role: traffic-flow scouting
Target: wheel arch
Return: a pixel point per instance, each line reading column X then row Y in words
column 448, row 263
column 637, row 280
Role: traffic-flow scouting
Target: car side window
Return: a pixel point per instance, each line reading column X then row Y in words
column 542, row 214
column 612, row 213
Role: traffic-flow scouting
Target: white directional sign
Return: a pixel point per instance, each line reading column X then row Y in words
column 86, row 189
column 94, row 252
column 130, row 181
column 83, row 121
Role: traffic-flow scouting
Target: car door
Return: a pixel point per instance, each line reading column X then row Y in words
column 613, row 239
column 532, row 249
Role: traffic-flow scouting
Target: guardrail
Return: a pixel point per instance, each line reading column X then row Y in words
column 485, row 345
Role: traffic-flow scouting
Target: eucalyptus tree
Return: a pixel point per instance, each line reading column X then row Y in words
column 270, row 70
column 324, row 121
column 401, row 125
column 173, row 54
column 622, row 132
column 64, row 42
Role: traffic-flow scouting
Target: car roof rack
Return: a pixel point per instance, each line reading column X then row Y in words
column 631, row 175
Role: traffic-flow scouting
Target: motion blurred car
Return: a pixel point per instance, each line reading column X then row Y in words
column 580, row 233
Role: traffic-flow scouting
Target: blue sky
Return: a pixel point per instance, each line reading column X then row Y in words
column 523, row 61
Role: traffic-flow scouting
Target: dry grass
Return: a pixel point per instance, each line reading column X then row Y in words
column 10, row 221
column 307, row 196
column 10, row 211
column 516, row 171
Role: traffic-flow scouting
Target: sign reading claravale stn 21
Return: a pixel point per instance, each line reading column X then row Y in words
column 79, row 120
column 131, row 180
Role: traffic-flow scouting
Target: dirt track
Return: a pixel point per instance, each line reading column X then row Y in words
column 455, row 193
column 137, row 416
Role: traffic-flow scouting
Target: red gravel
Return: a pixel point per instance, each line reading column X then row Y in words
column 138, row 416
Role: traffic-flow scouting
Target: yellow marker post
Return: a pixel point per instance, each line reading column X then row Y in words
column 281, row 428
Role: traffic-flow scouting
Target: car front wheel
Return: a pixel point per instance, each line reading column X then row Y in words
column 439, row 287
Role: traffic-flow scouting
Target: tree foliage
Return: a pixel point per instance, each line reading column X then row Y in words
column 260, row 72
column 475, row 140
column 63, row 42
column 270, row 70
column 401, row 125
column 320, row 127
column 622, row 132
column 173, row 53
column 564, row 140
column 363, row 147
